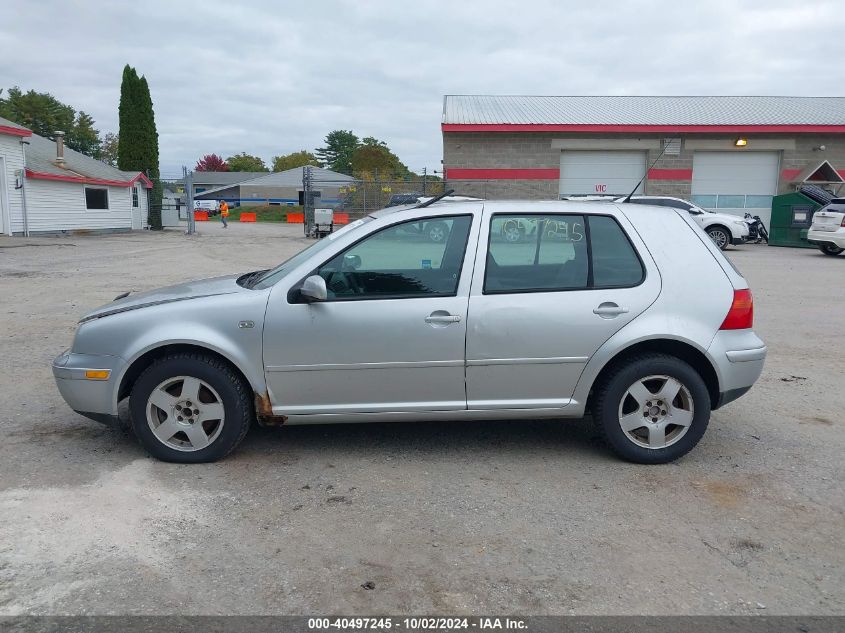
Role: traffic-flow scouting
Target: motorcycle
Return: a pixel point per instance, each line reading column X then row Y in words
column 756, row 231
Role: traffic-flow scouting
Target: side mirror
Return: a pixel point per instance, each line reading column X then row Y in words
column 314, row 289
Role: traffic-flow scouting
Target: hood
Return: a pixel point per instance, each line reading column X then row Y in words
column 724, row 217
column 179, row 292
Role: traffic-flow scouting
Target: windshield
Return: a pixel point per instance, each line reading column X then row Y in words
column 272, row 276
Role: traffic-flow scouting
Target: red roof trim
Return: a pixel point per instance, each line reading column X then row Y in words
column 503, row 174
column 701, row 129
column 14, row 131
column 147, row 182
column 670, row 174
column 37, row 175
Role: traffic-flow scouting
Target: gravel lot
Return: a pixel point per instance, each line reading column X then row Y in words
column 529, row 518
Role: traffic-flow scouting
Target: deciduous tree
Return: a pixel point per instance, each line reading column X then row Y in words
column 42, row 113
column 294, row 160
column 211, row 162
column 245, row 162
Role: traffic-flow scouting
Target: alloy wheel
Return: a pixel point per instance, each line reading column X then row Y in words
column 719, row 238
column 656, row 411
column 185, row 413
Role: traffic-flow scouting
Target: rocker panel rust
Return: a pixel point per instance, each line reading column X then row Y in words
column 264, row 411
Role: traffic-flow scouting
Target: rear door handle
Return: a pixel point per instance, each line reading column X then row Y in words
column 439, row 317
column 608, row 310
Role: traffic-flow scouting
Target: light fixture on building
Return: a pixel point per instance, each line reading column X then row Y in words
column 741, row 142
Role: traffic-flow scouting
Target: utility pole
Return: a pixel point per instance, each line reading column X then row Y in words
column 188, row 180
column 425, row 172
column 307, row 200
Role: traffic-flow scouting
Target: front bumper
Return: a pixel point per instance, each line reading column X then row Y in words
column 738, row 356
column 93, row 398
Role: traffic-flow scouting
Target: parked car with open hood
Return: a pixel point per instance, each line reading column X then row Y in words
column 588, row 312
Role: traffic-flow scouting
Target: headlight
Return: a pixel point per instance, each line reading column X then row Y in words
column 741, row 222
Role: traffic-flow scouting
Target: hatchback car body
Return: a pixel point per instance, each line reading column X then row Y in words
column 628, row 311
column 724, row 229
column 828, row 228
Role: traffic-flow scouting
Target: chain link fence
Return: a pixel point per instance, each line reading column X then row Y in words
column 361, row 197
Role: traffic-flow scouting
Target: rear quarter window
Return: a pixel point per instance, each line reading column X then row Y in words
column 615, row 262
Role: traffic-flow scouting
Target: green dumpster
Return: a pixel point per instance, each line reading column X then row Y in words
column 792, row 215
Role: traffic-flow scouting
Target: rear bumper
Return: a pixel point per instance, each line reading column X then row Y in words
column 738, row 356
column 827, row 238
column 95, row 399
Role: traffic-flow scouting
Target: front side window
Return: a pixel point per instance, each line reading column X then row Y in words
column 96, row 198
column 543, row 253
column 420, row 258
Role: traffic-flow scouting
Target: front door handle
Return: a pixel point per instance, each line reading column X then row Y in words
column 441, row 316
column 609, row 310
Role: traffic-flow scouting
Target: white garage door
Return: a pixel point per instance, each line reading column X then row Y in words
column 735, row 182
column 600, row 173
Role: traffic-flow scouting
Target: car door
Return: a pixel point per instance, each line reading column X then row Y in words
column 390, row 336
column 541, row 305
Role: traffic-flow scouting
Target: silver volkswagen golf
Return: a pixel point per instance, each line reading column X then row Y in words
column 523, row 310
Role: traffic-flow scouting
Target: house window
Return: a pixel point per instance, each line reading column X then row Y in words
column 135, row 203
column 96, row 198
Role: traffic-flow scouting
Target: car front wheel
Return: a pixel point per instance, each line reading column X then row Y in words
column 830, row 249
column 190, row 408
column 652, row 409
column 720, row 236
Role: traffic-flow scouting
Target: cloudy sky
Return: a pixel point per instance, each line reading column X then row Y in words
column 271, row 77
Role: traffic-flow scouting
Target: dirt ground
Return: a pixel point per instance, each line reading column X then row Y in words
column 527, row 518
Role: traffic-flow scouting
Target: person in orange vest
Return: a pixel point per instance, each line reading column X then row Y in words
column 224, row 213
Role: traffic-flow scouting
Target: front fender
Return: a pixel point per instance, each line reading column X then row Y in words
column 230, row 325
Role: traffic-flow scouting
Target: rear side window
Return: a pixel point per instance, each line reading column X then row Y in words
column 615, row 263
column 542, row 253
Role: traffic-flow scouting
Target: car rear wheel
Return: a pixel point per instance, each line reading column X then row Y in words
column 653, row 409
column 720, row 236
column 830, row 249
column 190, row 408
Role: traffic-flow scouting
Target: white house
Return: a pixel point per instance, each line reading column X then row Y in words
column 46, row 187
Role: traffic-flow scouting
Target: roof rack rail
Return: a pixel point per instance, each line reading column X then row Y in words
column 428, row 203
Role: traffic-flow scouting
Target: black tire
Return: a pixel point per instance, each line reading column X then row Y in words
column 827, row 249
column 720, row 235
column 234, row 393
column 437, row 232
column 609, row 394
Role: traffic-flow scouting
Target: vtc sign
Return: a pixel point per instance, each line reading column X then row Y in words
column 601, row 188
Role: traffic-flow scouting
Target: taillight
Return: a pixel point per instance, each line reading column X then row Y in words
column 843, row 222
column 741, row 314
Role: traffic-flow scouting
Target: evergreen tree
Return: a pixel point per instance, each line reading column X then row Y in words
column 137, row 148
column 337, row 154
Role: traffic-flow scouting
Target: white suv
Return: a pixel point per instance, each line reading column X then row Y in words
column 828, row 229
column 723, row 229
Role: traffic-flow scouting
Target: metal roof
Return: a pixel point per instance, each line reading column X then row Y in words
column 628, row 110
column 287, row 178
column 41, row 158
column 224, row 177
column 291, row 177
